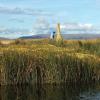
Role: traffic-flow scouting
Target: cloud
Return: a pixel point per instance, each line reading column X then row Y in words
column 23, row 11
column 41, row 26
column 6, row 30
column 77, row 26
column 13, row 33
column 85, row 26
column 2, row 29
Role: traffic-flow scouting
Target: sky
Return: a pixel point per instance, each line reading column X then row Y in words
column 29, row 17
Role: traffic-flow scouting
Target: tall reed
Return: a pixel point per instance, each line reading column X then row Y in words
column 48, row 66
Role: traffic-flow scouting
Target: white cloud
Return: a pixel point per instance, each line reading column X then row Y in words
column 86, row 26
column 13, row 33
column 23, row 11
column 2, row 29
column 73, row 26
column 76, row 28
column 41, row 26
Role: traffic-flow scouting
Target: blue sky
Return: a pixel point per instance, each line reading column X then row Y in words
column 27, row 17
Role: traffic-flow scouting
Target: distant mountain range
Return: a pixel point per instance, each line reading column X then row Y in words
column 65, row 36
column 2, row 38
column 36, row 36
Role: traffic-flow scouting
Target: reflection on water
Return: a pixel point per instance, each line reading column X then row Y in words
column 50, row 92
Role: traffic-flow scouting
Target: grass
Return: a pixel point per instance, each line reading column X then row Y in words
column 43, row 61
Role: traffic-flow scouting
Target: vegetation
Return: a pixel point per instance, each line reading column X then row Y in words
column 43, row 61
column 0, row 43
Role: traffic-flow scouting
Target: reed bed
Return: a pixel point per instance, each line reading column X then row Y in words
column 42, row 62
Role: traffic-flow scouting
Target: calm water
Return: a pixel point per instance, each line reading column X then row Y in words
column 50, row 92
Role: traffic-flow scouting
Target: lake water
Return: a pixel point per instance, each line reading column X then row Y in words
column 50, row 92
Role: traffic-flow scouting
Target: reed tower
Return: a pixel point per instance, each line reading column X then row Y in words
column 58, row 37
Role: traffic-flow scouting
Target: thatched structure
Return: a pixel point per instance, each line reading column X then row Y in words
column 58, row 37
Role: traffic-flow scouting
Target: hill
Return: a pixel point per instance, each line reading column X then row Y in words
column 65, row 36
column 2, row 38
